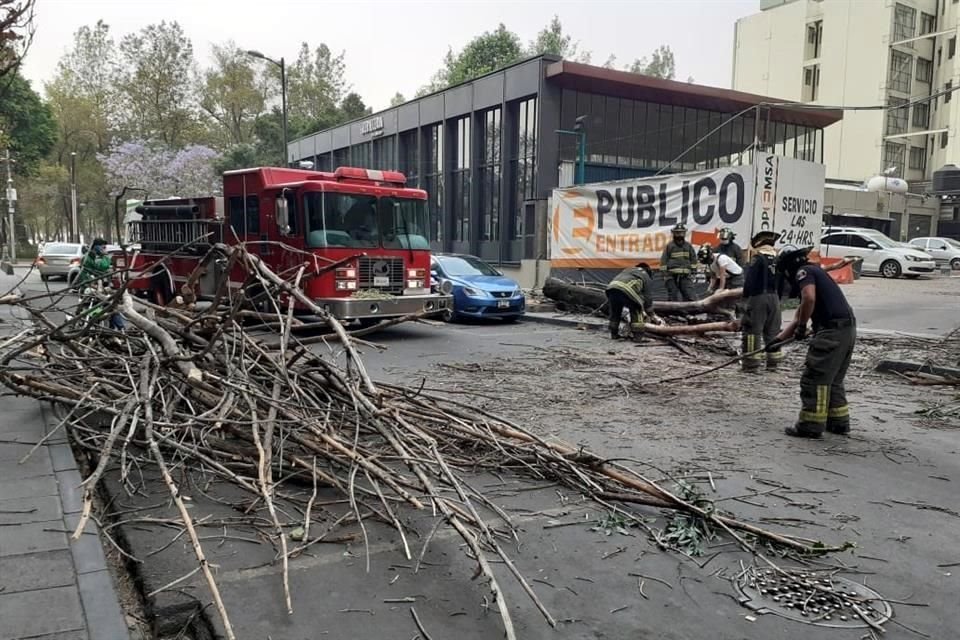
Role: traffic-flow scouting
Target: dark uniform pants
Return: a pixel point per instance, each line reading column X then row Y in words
column 759, row 326
column 823, row 399
column 617, row 301
column 678, row 284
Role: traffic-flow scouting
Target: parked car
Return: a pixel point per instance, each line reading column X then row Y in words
column 57, row 259
column 880, row 254
column 479, row 290
column 944, row 250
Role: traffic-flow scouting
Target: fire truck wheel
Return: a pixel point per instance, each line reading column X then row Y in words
column 160, row 293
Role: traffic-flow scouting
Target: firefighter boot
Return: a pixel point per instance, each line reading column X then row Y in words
column 838, row 420
column 802, row 430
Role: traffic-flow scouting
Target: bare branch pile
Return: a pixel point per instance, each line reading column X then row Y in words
column 194, row 388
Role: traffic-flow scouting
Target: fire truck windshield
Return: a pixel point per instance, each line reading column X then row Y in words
column 364, row 221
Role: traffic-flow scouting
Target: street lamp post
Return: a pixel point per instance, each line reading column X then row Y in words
column 579, row 130
column 74, row 233
column 11, row 198
column 283, row 93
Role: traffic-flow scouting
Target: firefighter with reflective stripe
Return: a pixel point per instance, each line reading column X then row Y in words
column 631, row 289
column 728, row 247
column 761, row 304
column 725, row 273
column 823, row 398
column 677, row 262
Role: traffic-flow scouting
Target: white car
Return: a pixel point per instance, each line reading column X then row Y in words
column 944, row 250
column 880, row 254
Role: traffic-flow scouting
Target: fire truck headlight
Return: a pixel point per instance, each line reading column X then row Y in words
column 446, row 287
column 416, row 273
column 346, row 285
column 414, row 284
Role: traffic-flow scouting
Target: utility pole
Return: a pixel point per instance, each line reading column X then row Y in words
column 11, row 198
column 74, row 233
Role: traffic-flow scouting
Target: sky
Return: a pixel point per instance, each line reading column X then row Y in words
column 397, row 46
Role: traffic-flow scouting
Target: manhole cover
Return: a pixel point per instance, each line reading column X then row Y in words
column 813, row 597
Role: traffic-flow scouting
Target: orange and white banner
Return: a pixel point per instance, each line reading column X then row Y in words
column 617, row 224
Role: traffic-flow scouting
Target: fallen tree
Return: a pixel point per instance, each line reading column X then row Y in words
column 191, row 389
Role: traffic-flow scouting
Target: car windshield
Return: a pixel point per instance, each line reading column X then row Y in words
column 455, row 266
column 365, row 221
column 61, row 248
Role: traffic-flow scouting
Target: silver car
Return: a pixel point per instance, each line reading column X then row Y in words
column 59, row 259
column 944, row 250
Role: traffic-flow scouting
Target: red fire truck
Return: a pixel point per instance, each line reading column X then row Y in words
column 363, row 234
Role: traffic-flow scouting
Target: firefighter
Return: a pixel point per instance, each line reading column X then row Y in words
column 677, row 263
column 631, row 289
column 728, row 247
column 761, row 304
column 724, row 272
column 822, row 396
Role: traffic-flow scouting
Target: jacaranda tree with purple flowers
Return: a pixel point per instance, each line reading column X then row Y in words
column 162, row 172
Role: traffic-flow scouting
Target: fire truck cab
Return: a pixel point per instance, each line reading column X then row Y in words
column 363, row 235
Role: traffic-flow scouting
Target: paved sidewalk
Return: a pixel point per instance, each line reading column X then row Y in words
column 51, row 587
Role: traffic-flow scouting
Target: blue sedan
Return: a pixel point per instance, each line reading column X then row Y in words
column 479, row 290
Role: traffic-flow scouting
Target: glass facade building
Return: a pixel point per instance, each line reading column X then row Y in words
column 489, row 152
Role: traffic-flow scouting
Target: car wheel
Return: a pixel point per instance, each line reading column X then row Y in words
column 890, row 269
column 955, row 264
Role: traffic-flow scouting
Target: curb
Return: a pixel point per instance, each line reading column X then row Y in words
column 564, row 322
column 98, row 596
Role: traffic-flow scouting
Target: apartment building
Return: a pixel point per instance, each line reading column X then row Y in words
column 862, row 53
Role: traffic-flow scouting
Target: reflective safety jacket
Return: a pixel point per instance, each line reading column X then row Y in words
column 636, row 284
column 94, row 267
column 678, row 259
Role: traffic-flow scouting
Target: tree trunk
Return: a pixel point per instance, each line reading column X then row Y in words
column 574, row 295
column 692, row 329
column 717, row 303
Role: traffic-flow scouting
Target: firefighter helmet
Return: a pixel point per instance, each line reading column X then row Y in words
column 705, row 254
column 679, row 228
column 645, row 267
column 727, row 235
column 764, row 238
column 791, row 258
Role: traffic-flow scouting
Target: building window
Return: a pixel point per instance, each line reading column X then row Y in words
column 490, row 174
column 461, row 182
column 893, row 158
column 928, row 23
column 408, row 158
column 361, row 156
column 384, row 153
column 924, row 70
column 901, row 64
column 918, row 159
column 898, row 115
column 904, row 23
column 948, row 89
column 952, row 47
column 524, row 164
column 921, row 115
column 811, row 83
column 814, row 38
column 433, row 179
column 944, row 137
column 341, row 158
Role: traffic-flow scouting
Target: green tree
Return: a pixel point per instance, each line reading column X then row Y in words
column 487, row 52
column 27, row 123
column 660, row 64
column 315, row 86
column 234, row 94
column 353, row 107
column 156, row 80
column 16, row 33
column 397, row 99
column 552, row 40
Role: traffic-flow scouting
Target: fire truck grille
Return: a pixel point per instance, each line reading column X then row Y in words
column 382, row 274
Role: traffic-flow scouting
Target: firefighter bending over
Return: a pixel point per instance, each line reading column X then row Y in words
column 631, row 289
column 724, row 272
column 677, row 263
column 823, row 398
column 761, row 304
